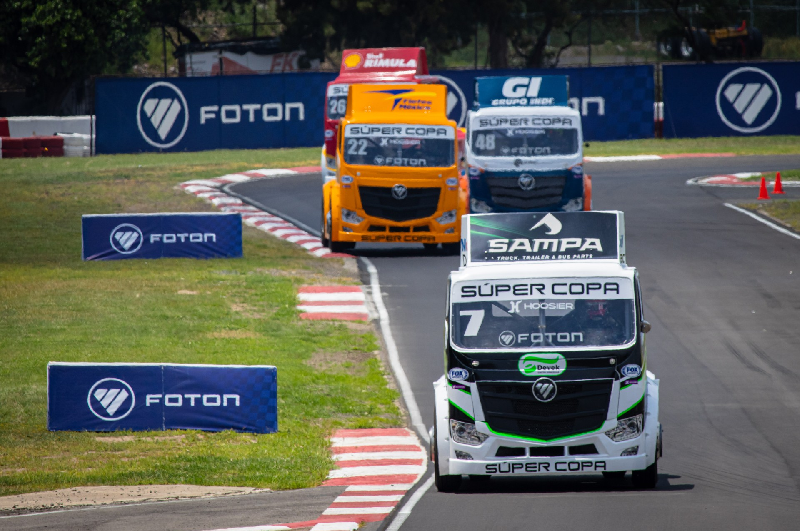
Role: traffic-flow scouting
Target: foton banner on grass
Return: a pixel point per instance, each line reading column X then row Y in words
column 172, row 235
column 145, row 397
column 735, row 99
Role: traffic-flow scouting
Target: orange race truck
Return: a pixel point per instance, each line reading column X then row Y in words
column 397, row 176
column 367, row 65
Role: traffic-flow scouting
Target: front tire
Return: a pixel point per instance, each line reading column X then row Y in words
column 452, row 248
column 442, row 482
column 341, row 247
column 645, row 479
column 324, row 239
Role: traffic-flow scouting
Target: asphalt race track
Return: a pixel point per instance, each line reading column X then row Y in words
column 722, row 293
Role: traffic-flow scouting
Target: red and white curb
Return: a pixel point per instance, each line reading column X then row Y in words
column 342, row 303
column 644, row 158
column 209, row 191
column 736, row 179
column 378, row 466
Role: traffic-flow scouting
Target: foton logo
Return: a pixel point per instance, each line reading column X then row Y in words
column 162, row 115
column 126, row 238
column 111, row 399
column 748, row 100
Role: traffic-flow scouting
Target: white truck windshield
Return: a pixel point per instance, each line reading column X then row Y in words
column 405, row 145
column 524, row 142
column 547, row 313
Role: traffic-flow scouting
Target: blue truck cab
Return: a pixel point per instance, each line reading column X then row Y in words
column 523, row 148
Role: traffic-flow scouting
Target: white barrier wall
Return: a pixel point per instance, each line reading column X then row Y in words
column 23, row 126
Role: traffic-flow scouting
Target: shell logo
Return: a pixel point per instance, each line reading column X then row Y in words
column 353, row 60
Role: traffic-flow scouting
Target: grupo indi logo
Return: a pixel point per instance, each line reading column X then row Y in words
column 126, row 238
column 547, row 363
column 748, row 99
column 111, row 399
column 162, row 115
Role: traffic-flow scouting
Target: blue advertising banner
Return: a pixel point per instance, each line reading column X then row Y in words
column 203, row 113
column 145, row 397
column 737, row 99
column 172, row 235
column 615, row 102
column 286, row 110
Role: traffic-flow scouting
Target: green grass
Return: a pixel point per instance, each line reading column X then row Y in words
column 785, row 211
column 55, row 307
column 786, row 176
column 757, row 145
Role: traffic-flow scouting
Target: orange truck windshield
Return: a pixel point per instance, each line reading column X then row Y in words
column 399, row 145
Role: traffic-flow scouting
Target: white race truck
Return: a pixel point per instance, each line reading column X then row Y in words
column 545, row 361
column 524, row 147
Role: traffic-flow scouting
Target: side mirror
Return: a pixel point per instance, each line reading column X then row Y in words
column 645, row 327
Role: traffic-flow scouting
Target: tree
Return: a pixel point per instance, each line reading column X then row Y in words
column 528, row 24
column 53, row 44
column 320, row 26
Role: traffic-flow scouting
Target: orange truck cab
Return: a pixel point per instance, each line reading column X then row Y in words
column 366, row 65
column 397, row 178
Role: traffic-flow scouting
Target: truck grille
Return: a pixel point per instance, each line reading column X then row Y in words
column 579, row 407
column 508, row 194
column 377, row 201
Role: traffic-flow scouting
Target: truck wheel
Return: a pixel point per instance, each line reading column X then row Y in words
column 323, row 229
column 341, row 247
column 452, row 248
column 443, row 483
column 645, row 479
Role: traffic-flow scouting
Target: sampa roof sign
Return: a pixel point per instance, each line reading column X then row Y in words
column 532, row 237
column 521, row 91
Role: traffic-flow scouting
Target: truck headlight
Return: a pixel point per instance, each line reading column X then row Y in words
column 452, row 181
column 626, row 429
column 447, row 218
column 465, row 433
column 346, row 179
column 349, row 216
column 479, row 207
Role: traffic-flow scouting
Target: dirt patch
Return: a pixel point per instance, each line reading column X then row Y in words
column 233, row 334
column 186, row 292
column 81, row 496
column 131, row 438
column 331, row 361
column 247, row 310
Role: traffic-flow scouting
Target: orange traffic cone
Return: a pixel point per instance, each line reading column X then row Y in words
column 777, row 186
column 763, row 190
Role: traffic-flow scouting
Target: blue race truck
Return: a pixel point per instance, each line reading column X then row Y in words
column 523, row 147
